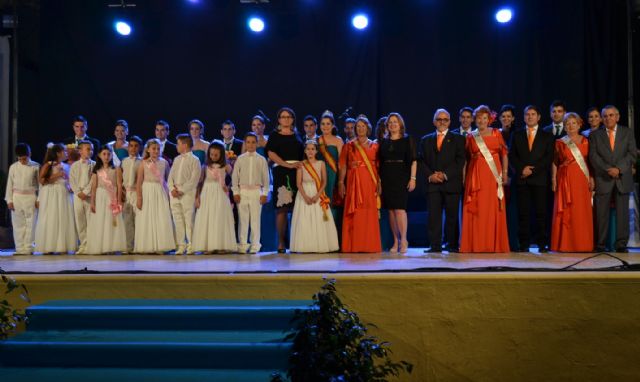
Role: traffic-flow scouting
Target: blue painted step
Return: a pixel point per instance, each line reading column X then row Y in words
column 132, row 375
column 165, row 314
column 147, row 349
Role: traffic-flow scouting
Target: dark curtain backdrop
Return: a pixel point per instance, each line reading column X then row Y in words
column 186, row 61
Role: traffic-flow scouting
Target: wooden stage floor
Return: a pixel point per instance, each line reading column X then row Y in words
column 268, row 262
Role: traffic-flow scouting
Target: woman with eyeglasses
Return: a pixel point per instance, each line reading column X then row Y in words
column 285, row 150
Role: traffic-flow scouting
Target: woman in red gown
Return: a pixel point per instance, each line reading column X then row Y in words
column 360, row 226
column 484, row 218
column 572, row 182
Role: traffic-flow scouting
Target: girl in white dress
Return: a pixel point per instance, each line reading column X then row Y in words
column 312, row 226
column 105, row 231
column 154, row 227
column 213, row 230
column 55, row 229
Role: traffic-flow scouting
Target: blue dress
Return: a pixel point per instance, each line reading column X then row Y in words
column 201, row 154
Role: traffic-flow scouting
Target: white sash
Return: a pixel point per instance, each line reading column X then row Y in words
column 575, row 151
column 484, row 150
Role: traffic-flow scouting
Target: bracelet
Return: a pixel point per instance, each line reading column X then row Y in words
column 413, row 178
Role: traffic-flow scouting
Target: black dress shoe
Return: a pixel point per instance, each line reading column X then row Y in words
column 543, row 249
column 282, row 250
column 433, row 250
column 521, row 249
column 622, row 250
column 600, row 249
column 451, row 249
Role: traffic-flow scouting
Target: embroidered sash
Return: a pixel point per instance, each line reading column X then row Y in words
column 324, row 199
column 575, row 151
column 114, row 204
column 327, row 155
column 152, row 166
column 484, row 150
column 367, row 163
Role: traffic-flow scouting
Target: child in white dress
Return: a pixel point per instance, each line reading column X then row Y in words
column 312, row 226
column 213, row 230
column 55, row 229
column 105, row 231
column 154, row 227
column 21, row 197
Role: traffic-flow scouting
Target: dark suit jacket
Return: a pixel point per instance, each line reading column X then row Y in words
column 549, row 129
column 623, row 157
column 170, row 151
column 95, row 142
column 540, row 157
column 236, row 146
column 459, row 131
column 450, row 160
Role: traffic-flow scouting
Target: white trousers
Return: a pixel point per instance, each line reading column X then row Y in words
column 129, row 215
column 23, row 219
column 183, row 212
column 81, row 214
column 249, row 211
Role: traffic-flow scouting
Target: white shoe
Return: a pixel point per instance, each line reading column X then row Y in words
column 189, row 250
column 180, row 250
column 242, row 248
column 254, row 249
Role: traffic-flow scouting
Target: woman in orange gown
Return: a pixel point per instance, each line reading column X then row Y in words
column 484, row 217
column 572, row 228
column 360, row 226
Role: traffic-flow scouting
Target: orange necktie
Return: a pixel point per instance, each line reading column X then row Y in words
column 612, row 139
column 530, row 138
column 439, row 141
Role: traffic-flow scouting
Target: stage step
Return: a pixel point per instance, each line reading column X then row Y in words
column 127, row 340
column 46, row 374
column 165, row 314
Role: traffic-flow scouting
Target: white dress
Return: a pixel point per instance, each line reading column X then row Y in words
column 154, row 226
column 213, row 229
column 309, row 231
column 105, row 231
column 56, row 229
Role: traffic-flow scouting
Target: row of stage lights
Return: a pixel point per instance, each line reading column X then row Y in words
column 359, row 21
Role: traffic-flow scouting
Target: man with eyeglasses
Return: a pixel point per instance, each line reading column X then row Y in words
column 612, row 153
column 442, row 153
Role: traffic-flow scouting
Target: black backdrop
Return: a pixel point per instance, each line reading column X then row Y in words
column 186, row 60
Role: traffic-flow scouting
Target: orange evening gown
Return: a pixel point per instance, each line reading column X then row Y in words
column 572, row 228
column 360, row 226
column 484, row 216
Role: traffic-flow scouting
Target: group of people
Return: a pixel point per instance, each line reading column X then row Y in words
column 195, row 196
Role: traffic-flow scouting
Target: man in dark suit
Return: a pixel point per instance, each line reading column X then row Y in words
column 557, row 110
column 531, row 156
column 231, row 143
column 443, row 155
column 612, row 153
column 168, row 149
column 465, row 116
column 80, row 126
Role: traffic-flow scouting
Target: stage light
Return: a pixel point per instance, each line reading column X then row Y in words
column 504, row 15
column 360, row 21
column 122, row 28
column 256, row 24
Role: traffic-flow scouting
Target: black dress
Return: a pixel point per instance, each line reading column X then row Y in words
column 396, row 157
column 287, row 147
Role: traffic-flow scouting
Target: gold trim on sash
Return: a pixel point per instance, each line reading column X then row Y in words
column 367, row 163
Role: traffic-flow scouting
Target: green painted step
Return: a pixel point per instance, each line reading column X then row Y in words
column 165, row 314
column 131, row 375
column 147, row 349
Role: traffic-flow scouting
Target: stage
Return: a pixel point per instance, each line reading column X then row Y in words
column 456, row 317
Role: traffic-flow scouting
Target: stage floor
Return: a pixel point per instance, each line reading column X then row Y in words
column 268, row 262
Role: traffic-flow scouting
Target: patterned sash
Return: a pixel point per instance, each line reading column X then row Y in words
column 324, row 199
column 577, row 155
column 114, row 205
column 367, row 163
column 484, row 150
column 152, row 166
column 327, row 155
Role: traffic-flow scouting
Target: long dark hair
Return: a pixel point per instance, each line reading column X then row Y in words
column 217, row 145
column 99, row 164
column 52, row 156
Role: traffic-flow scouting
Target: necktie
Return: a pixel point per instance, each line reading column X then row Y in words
column 530, row 137
column 439, row 141
column 558, row 129
column 612, row 138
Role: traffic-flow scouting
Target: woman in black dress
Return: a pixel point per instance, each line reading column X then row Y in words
column 398, row 166
column 285, row 150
